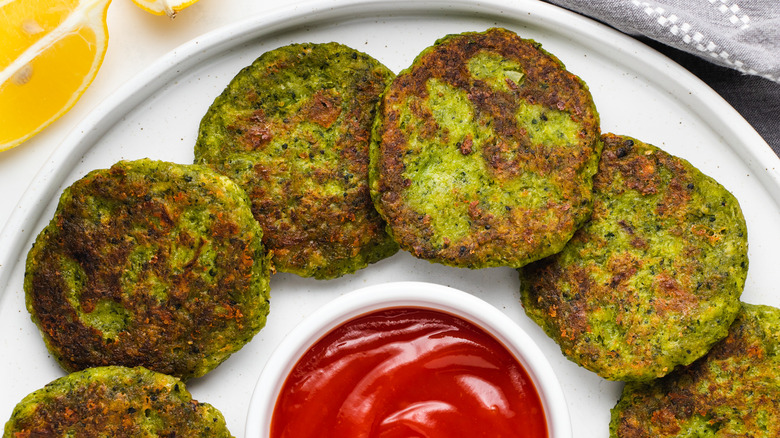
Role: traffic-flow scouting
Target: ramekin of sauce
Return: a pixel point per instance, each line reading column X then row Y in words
column 408, row 359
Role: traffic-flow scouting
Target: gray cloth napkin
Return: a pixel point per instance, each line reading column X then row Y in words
column 740, row 34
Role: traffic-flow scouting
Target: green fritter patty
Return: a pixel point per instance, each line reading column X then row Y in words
column 734, row 391
column 654, row 278
column 149, row 264
column 114, row 401
column 483, row 152
column 293, row 129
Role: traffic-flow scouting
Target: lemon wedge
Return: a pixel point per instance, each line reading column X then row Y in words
column 163, row 7
column 51, row 51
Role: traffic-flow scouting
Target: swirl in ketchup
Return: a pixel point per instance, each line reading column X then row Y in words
column 404, row 373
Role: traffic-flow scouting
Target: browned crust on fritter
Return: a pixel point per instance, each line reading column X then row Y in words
column 313, row 233
column 114, row 402
column 733, row 391
column 521, row 234
column 293, row 130
column 183, row 335
column 684, row 286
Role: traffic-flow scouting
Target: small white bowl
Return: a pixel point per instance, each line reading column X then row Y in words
column 407, row 294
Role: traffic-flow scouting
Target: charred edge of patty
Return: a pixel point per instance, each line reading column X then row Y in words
column 115, row 401
column 625, row 265
column 732, row 390
column 545, row 82
column 311, row 232
column 209, row 307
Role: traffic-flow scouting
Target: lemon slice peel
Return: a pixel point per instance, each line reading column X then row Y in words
column 164, row 7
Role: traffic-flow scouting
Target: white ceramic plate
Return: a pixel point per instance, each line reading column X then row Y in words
column 637, row 91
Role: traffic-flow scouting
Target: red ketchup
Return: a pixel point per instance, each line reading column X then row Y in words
column 404, row 373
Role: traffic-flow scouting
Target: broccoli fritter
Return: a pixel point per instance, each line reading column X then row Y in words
column 653, row 280
column 116, row 402
column 151, row 264
column 734, row 391
column 292, row 129
column 483, row 152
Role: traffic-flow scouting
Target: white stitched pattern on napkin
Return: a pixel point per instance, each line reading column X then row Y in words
column 740, row 34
